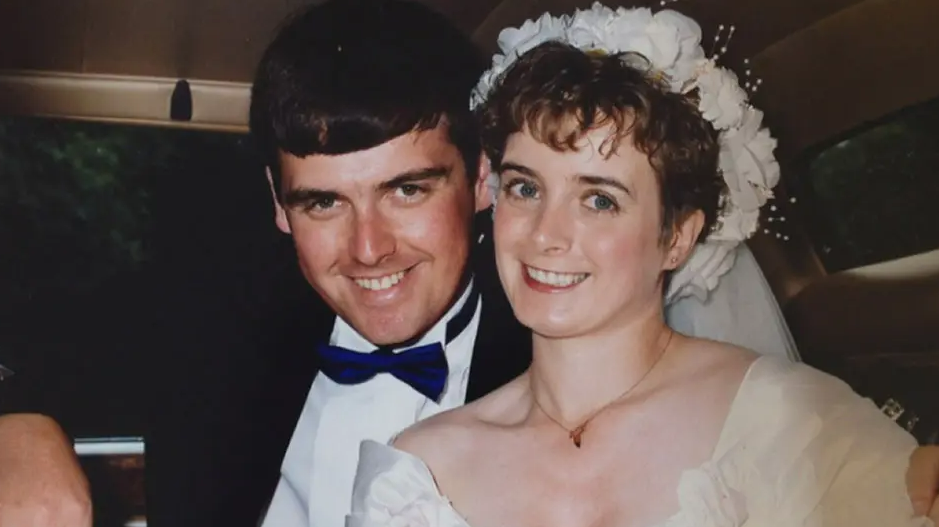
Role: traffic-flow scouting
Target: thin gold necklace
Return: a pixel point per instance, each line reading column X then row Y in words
column 576, row 434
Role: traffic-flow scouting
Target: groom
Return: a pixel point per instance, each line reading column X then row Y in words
column 377, row 173
column 360, row 108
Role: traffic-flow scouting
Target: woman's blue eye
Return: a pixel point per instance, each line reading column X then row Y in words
column 521, row 189
column 602, row 202
column 527, row 190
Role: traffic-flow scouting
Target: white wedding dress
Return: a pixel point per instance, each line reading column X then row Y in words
column 798, row 448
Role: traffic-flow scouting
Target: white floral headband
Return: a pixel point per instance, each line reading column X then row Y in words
column 671, row 42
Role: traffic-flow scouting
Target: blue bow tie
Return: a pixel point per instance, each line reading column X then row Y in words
column 424, row 368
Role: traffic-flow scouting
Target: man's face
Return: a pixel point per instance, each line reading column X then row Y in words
column 383, row 235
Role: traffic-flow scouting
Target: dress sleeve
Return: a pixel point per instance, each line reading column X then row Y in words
column 395, row 489
column 821, row 454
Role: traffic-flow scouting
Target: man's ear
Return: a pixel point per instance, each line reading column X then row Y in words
column 482, row 191
column 684, row 235
column 280, row 215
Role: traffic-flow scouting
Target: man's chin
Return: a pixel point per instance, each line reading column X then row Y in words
column 391, row 326
column 393, row 337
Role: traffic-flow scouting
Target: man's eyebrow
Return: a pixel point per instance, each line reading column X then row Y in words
column 415, row 176
column 304, row 196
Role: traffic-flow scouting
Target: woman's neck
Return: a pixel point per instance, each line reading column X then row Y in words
column 572, row 378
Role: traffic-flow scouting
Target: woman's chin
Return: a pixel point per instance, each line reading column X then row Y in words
column 552, row 327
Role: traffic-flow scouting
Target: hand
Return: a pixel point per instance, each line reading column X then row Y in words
column 922, row 481
column 41, row 482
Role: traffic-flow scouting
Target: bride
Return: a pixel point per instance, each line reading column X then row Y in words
column 619, row 165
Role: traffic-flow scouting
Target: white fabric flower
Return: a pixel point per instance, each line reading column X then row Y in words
column 675, row 39
column 735, row 224
column 687, row 35
column 589, row 29
column 517, row 41
column 708, row 501
column 514, row 42
column 395, row 489
column 429, row 511
column 636, row 18
column 627, row 32
column 722, row 99
column 746, row 157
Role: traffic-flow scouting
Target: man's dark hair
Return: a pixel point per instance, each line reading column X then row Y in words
column 348, row 75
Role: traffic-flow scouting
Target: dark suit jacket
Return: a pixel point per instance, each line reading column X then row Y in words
column 218, row 458
column 225, row 363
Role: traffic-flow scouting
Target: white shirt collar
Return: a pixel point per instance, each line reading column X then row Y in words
column 320, row 463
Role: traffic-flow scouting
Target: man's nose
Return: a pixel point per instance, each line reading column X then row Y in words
column 372, row 239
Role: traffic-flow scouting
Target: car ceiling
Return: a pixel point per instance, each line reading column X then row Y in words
column 826, row 64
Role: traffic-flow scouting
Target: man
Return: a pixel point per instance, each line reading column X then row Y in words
column 360, row 108
column 377, row 174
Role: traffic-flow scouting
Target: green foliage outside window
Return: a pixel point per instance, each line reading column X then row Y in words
column 75, row 201
column 77, row 198
column 874, row 196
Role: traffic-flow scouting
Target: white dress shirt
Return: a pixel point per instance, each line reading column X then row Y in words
column 315, row 487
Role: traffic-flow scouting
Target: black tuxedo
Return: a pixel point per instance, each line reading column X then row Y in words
column 247, row 405
column 216, row 375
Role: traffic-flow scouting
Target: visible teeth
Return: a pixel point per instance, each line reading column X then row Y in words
column 379, row 284
column 555, row 279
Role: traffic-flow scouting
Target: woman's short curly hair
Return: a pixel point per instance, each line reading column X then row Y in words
column 558, row 93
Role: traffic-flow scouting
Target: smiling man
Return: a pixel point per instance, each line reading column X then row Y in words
column 377, row 174
column 360, row 225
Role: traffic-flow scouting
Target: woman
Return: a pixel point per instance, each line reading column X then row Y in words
column 611, row 172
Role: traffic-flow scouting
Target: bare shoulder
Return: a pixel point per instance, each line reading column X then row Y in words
column 445, row 439
column 438, row 437
column 718, row 362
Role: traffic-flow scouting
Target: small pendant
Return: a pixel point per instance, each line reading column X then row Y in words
column 577, row 433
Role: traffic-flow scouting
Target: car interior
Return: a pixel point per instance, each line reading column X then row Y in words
column 124, row 155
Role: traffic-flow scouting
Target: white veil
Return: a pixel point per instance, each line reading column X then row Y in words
column 740, row 310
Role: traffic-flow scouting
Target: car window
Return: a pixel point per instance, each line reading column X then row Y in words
column 873, row 195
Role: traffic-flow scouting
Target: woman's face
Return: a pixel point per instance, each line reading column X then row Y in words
column 578, row 235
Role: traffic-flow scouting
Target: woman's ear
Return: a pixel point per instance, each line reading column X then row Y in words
column 482, row 191
column 684, row 237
